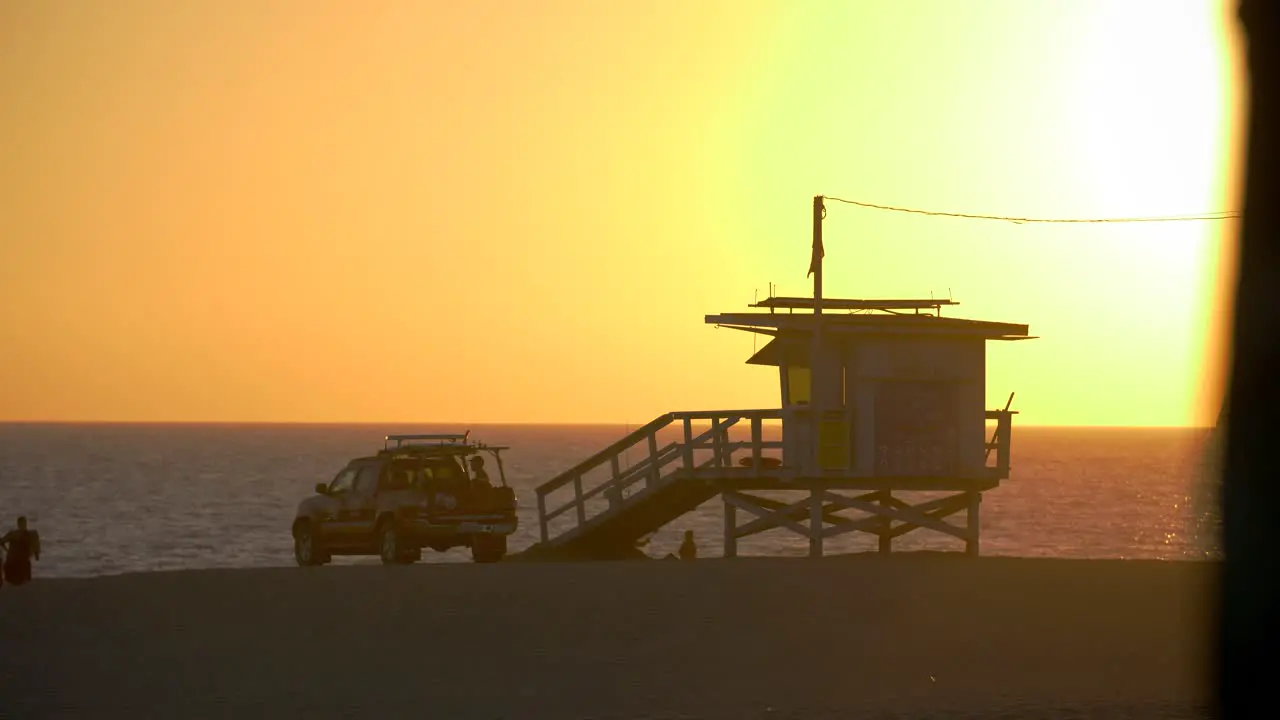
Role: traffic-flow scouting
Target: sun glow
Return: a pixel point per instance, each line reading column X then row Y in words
column 1144, row 94
column 521, row 210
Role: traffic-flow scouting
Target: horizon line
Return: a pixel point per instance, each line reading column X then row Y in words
column 514, row 423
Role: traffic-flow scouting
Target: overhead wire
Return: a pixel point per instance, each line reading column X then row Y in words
column 1210, row 216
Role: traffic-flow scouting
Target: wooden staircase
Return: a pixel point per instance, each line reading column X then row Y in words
column 612, row 504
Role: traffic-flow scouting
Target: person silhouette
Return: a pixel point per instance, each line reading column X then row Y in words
column 21, row 545
column 688, row 550
column 477, row 469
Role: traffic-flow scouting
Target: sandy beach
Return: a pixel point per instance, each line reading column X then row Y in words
column 904, row 636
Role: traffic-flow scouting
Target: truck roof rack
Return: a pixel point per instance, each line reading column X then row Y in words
column 437, row 439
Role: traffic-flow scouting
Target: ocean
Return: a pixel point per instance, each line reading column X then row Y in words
column 119, row 498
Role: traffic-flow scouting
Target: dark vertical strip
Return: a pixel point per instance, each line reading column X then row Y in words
column 1248, row 638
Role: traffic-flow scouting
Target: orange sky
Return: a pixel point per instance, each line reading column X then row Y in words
column 520, row 210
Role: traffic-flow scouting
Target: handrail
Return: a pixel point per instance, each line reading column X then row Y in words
column 665, row 479
column 650, row 467
column 628, row 477
column 1000, row 441
column 599, row 458
column 694, row 443
column 770, row 414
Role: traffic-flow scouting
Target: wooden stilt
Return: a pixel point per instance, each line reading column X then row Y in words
column 974, row 528
column 886, row 523
column 730, row 529
column 815, row 524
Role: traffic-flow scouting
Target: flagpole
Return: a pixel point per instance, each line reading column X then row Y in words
column 815, row 264
column 817, row 376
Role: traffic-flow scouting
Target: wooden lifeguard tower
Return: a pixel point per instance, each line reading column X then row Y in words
column 879, row 398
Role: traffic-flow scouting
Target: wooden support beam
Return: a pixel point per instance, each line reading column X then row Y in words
column 614, row 493
column 655, row 468
column 873, row 525
column 936, row 510
column 726, row 447
column 951, row 503
column 1006, row 444
column 885, row 524
column 1000, row 428
column 880, row 524
column 911, row 514
column 718, row 439
column 715, row 443
column 974, row 501
column 881, row 510
column 578, row 500
column 688, row 443
column 543, row 530
column 757, row 437
column 794, row 512
column 795, row 480
column 730, row 529
column 766, row 519
column 815, row 523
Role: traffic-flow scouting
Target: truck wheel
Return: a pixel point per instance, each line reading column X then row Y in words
column 307, row 550
column 391, row 547
column 488, row 548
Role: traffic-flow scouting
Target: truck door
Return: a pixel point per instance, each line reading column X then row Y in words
column 362, row 506
column 331, row 517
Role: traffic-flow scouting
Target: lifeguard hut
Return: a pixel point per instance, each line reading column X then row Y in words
column 880, row 400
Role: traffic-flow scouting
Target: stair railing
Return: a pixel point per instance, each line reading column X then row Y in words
column 650, row 468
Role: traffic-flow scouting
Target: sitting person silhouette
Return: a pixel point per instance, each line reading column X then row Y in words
column 21, row 545
column 688, row 550
column 481, row 477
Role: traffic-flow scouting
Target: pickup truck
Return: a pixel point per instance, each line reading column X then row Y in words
column 416, row 494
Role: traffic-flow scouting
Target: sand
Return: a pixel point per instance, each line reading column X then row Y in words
column 904, row 636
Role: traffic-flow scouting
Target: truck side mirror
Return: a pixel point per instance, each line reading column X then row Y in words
column 322, row 489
